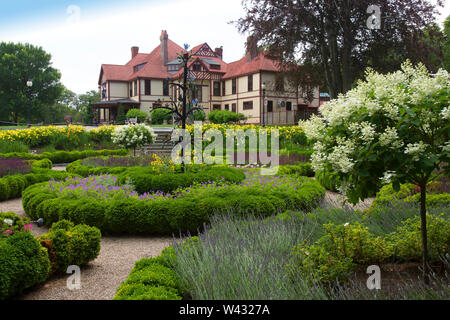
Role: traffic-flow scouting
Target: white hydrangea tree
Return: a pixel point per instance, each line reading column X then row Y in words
column 391, row 128
column 133, row 136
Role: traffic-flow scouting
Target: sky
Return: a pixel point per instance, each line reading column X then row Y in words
column 83, row 34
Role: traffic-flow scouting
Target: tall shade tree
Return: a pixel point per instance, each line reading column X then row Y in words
column 340, row 37
column 391, row 128
column 18, row 64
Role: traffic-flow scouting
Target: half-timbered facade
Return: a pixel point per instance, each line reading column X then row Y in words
column 236, row 86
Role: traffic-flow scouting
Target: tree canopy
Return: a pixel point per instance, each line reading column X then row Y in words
column 339, row 39
column 18, row 64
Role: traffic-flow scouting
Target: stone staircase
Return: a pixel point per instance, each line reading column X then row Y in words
column 162, row 146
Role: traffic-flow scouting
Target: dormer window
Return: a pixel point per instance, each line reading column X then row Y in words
column 215, row 66
column 173, row 67
column 138, row 67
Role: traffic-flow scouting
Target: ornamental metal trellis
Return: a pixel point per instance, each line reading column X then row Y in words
column 179, row 108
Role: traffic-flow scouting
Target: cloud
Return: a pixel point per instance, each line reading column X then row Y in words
column 80, row 41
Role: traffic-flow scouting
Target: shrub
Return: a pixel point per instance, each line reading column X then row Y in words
column 133, row 136
column 145, row 180
column 64, row 156
column 12, row 186
column 159, row 115
column 302, row 169
column 136, row 113
column 68, row 244
column 23, row 263
column 337, row 253
column 150, row 280
column 224, row 116
column 121, row 117
column 408, row 193
column 44, row 164
column 407, row 241
column 199, row 115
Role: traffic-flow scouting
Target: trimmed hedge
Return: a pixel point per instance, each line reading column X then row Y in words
column 11, row 187
column 23, row 263
column 167, row 216
column 68, row 244
column 64, row 156
column 145, row 179
column 408, row 193
column 155, row 278
column 302, row 169
column 43, row 164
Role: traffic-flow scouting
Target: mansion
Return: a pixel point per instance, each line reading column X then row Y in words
column 237, row 86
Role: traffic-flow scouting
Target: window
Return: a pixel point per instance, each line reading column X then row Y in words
column 227, row 107
column 250, row 82
column 233, row 86
column 197, row 93
column 248, row 105
column 270, row 106
column 223, row 88
column 233, row 107
column 147, row 87
column 279, row 83
column 165, row 87
column 216, row 91
column 215, row 66
column 130, row 85
column 288, row 106
column 139, row 67
column 135, row 88
column 196, row 67
column 216, row 107
column 173, row 67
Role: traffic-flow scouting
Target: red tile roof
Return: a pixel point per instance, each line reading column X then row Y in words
column 245, row 66
column 155, row 68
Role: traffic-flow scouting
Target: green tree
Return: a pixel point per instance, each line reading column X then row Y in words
column 335, row 37
column 84, row 105
column 18, row 64
column 391, row 128
column 446, row 48
column 121, row 117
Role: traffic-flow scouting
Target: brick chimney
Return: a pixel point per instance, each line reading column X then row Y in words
column 164, row 51
column 252, row 47
column 219, row 52
column 134, row 52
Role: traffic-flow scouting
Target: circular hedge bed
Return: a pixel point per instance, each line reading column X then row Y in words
column 121, row 211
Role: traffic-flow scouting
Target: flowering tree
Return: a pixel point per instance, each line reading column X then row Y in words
column 390, row 128
column 133, row 136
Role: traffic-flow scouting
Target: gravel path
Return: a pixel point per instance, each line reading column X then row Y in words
column 335, row 200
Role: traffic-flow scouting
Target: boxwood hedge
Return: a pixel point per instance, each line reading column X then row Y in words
column 12, row 186
column 144, row 179
column 167, row 216
column 68, row 244
column 64, row 156
column 23, row 263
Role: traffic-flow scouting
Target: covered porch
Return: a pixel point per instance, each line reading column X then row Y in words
column 107, row 111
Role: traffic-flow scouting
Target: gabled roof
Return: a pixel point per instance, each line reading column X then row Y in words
column 246, row 65
column 154, row 66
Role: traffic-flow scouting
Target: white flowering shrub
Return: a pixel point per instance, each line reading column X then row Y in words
column 133, row 136
column 389, row 128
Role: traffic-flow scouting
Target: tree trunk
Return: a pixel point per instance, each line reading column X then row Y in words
column 423, row 218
